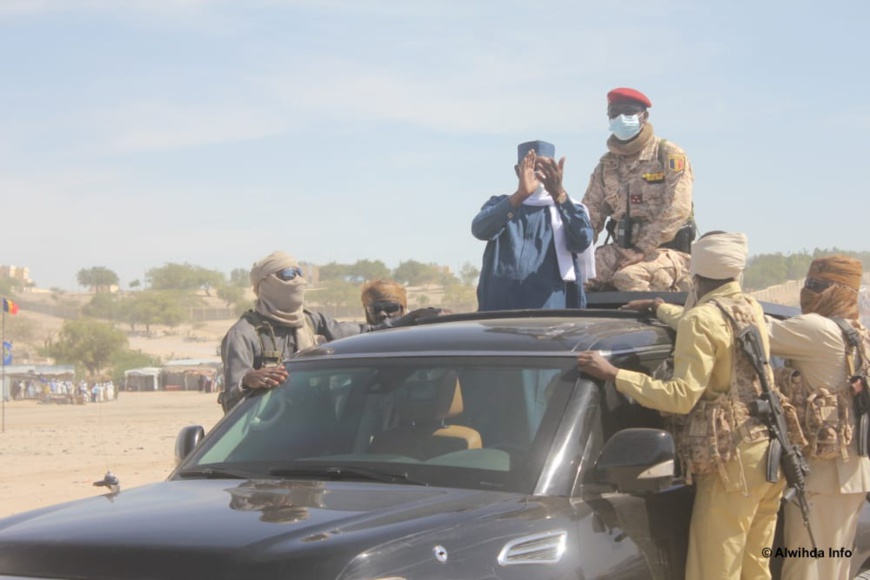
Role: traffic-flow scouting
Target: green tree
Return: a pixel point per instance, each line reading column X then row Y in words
column 459, row 298
column 127, row 359
column 448, row 278
column 333, row 271
column 363, row 270
column 231, row 294
column 98, row 278
column 173, row 276
column 240, row 277
column 469, row 274
column 87, row 342
column 337, row 293
column 9, row 285
column 103, row 305
column 135, row 284
column 157, row 307
column 414, row 273
column 764, row 270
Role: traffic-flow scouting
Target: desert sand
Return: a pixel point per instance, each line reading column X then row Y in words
column 51, row 453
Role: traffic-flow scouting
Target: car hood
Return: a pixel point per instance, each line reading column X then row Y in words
column 234, row 529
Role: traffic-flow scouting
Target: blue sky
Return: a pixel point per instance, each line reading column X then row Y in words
column 139, row 132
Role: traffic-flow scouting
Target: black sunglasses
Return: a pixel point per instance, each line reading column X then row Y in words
column 817, row 285
column 289, row 273
column 388, row 307
column 624, row 109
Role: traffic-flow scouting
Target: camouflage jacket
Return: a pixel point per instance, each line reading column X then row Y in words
column 655, row 186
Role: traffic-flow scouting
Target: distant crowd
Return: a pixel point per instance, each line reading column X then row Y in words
column 54, row 390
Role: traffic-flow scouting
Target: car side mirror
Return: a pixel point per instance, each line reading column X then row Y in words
column 187, row 439
column 637, row 460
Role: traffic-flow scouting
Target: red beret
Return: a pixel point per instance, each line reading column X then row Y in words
column 625, row 94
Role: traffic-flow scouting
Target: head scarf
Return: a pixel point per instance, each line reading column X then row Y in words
column 840, row 299
column 383, row 291
column 719, row 256
column 280, row 300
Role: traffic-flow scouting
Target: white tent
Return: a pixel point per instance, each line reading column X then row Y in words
column 144, row 379
column 190, row 374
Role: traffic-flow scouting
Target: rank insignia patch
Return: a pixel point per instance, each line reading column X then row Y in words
column 676, row 162
column 636, row 198
column 653, row 177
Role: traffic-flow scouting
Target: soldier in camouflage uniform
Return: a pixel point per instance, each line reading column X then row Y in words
column 644, row 186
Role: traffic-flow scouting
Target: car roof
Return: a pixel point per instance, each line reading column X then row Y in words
column 500, row 333
column 601, row 326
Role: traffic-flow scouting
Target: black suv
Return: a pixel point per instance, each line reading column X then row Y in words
column 464, row 447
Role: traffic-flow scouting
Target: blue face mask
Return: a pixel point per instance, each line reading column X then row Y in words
column 624, row 127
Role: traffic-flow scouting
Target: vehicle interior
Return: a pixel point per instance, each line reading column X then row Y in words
column 431, row 413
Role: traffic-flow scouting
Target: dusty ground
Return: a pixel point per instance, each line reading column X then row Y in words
column 52, row 453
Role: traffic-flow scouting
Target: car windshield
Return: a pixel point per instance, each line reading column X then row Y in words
column 479, row 424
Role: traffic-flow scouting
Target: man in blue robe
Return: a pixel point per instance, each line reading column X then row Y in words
column 537, row 238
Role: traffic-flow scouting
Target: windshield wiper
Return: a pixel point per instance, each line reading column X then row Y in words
column 333, row 473
column 213, row 473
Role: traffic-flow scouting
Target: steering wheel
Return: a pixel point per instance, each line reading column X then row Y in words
column 273, row 411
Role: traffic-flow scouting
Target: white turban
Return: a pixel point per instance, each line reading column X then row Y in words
column 719, row 256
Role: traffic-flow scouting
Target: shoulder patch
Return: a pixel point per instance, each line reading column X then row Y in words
column 676, row 163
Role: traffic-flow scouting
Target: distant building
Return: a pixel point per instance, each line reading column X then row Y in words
column 310, row 272
column 17, row 273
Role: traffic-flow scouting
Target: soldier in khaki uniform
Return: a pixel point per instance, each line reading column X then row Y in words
column 734, row 515
column 839, row 478
column 644, row 185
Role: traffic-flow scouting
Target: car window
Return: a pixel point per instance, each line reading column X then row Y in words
column 465, row 425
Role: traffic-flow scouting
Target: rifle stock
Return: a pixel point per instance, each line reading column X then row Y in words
column 769, row 408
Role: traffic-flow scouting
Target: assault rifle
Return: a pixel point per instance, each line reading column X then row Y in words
column 858, row 380
column 781, row 452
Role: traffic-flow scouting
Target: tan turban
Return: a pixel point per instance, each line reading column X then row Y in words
column 280, row 300
column 383, row 291
column 838, row 269
column 269, row 265
column 840, row 299
column 719, row 256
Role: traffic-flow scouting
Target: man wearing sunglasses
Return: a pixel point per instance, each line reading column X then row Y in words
column 383, row 300
column 255, row 347
column 818, row 348
column 642, row 189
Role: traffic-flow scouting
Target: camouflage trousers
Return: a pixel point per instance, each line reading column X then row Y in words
column 663, row 270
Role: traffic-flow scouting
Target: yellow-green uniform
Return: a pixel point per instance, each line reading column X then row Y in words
column 836, row 488
column 731, row 522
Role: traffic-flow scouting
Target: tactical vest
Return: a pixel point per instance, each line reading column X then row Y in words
column 271, row 353
column 826, row 412
column 708, row 436
column 622, row 226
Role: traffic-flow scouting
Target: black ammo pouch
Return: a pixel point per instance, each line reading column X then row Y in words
column 682, row 242
column 620, row 231
column 862, row 411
